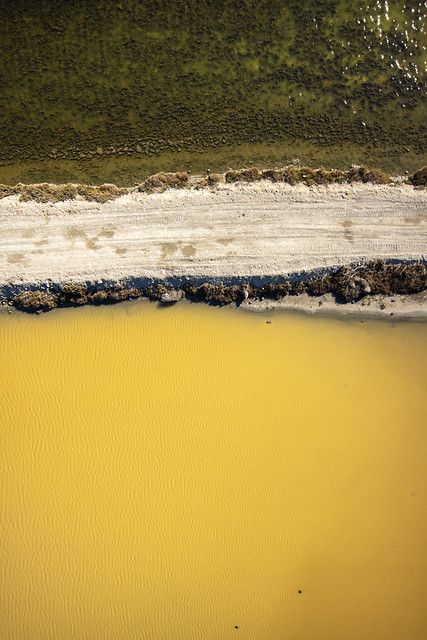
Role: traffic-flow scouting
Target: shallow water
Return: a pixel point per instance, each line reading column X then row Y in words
column 112, row 91
column 181, row 472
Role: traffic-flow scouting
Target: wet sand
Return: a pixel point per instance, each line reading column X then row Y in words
column 396, row 307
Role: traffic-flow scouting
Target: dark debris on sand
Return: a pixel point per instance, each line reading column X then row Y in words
column 347, row 284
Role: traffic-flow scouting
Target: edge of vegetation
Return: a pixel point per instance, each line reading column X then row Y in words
column 292, row 174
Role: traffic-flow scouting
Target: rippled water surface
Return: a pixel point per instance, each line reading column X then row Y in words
column 202, row 473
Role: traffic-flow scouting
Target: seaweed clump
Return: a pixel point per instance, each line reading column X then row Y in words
column 162, row 181
column 367, row 174
column 73, row 294
column 167, row 295
column 275, row 290
column 102, row 193
column 291, row 174
column 156, row 292
column 377, row 277
column 219, row 294
column 349, row 284
column 35, row 301
column 401, row 279
column 214, row 179
column 251, row 174
column 45, row 192
column 419, row 178
column 319, row 286
column 295, row 173
column 115, row 294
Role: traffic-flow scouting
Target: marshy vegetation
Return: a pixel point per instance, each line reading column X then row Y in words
column 105, row 91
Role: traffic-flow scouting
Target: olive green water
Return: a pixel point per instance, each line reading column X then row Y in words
column 101, row 90
column 197, row 472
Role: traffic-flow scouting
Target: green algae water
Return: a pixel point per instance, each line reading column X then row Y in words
column 102, row 90
column 195, row 472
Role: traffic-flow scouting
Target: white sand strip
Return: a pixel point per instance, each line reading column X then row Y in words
column 243, row 229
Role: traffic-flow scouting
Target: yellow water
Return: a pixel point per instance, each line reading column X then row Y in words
column 173, row 474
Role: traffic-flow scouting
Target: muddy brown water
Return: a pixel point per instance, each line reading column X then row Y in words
column 196, row 472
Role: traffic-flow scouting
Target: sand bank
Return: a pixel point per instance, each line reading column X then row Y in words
column 241, row 231
column 396, row 307
column 232, row 230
